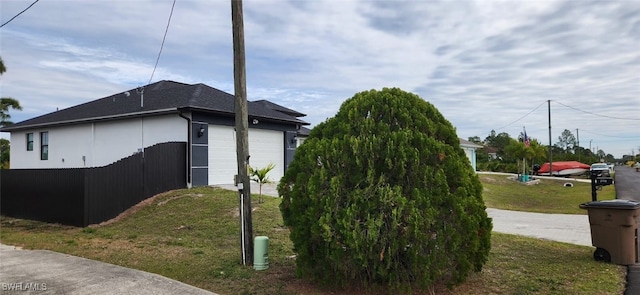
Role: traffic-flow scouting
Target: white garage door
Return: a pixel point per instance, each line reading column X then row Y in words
column 222, row 154
column 265, row 146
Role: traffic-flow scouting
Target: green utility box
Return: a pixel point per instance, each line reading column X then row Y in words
column 614, row 230
column 260, row 253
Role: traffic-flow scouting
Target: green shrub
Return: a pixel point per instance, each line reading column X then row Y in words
column 499, row 166
column 382, row 193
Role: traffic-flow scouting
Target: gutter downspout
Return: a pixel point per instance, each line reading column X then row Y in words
column 189, row 148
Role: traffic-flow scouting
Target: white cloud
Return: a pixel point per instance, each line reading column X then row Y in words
column 483, row 64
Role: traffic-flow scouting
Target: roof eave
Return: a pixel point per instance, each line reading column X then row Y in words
column 472, row 145
column 230, row 114
column 88, row 120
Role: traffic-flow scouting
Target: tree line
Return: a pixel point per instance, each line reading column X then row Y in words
column 502, row 153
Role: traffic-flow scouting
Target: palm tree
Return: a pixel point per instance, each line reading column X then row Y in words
column 260, row 176
column 519, row 150
column 5, row 104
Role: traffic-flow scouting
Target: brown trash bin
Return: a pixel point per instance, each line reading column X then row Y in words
column 614, row 230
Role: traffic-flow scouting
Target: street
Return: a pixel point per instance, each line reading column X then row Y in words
column 627, row 182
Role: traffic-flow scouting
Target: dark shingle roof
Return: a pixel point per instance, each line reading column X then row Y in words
column 267, row 104
column 157, row 98
column 304, row 132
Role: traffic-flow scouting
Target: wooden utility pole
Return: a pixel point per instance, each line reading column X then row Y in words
column 550, row 157
column 578, row 137
column 242, row 133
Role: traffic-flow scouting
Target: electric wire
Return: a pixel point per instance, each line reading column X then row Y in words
column 598, row 115
column 19, row 13
column 163, row 39
column 613, row 136
column 529, row 113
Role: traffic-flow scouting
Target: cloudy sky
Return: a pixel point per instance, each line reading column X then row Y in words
column 486, row 65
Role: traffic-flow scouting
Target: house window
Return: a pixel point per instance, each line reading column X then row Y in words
column 44, row 145
column 29, row 141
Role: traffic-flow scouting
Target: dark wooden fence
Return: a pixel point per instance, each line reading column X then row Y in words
column 83, row 196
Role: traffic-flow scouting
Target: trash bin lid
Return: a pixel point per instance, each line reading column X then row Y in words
column 612, row 204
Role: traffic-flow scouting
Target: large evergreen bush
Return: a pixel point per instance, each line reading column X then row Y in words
column 382, row 193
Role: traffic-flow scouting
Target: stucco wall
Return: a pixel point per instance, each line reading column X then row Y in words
column 471, row 154
column 95, row 144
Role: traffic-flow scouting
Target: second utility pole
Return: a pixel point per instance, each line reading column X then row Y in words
column 550, row 159
column 242, row 133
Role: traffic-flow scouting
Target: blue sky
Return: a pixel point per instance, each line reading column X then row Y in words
column 484, row 64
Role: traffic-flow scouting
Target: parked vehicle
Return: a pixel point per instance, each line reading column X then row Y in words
column 563, row 168
column 601, row 169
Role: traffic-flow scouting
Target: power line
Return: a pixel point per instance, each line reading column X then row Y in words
column 522, row 116
column 598, row 115
column 605, row 135
column 19, row 14
column 163, row 39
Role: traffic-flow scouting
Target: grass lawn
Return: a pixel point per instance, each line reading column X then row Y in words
column 548, row 196
column 193, row 236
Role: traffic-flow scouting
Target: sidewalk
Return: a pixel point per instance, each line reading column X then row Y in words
column 47, row 272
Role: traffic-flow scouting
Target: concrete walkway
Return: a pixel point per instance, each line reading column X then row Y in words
column 47, row 272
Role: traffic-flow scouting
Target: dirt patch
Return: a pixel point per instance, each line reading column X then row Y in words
column 131, row 210
column 497, row 180
column 488, row 179
column 178, row 197
column 235, row 212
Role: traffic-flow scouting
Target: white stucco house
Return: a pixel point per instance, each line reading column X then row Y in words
column 470, row 150
column 106, row 130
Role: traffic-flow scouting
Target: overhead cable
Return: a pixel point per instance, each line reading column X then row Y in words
column 19, row 14
column 607, row 135
column 522, row 116
column 595, row 114
column 163, row 39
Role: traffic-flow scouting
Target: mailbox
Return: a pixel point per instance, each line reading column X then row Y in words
column 602, row 181
column 598, row 180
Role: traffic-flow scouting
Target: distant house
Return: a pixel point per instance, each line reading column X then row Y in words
column 303, row 133
column 491, row 152
column 103, row 131
column 470, row 150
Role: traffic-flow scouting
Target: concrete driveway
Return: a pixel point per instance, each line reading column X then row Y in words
column 47, row 272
